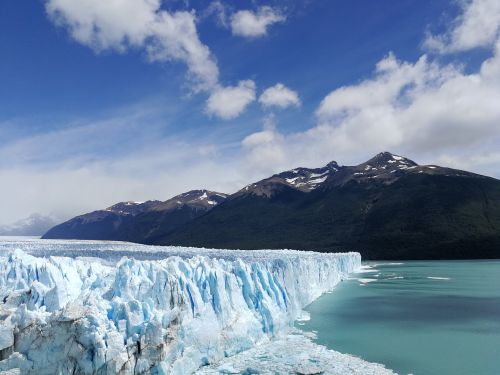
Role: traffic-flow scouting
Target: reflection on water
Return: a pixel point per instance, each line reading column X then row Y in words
column 416, row 317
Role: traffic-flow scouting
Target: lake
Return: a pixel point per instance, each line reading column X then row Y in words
column 422, row 318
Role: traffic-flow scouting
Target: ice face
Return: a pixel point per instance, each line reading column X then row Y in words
column 191, row 308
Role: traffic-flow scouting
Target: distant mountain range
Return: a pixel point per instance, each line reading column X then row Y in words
column 33, row 225
column 143, row 222
column 386, row 208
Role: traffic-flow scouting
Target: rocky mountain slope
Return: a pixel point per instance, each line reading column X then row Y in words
column 138, row 221
column 387, row 208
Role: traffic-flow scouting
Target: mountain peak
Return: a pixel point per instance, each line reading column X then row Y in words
column 300, row 179
column 387, row 158
column 131, row 207
column 333, row 165
column 201, row 198
column 34, row 225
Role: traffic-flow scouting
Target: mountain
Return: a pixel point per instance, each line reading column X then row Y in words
column 387, row 208
column 33, row 225
column 138, row 221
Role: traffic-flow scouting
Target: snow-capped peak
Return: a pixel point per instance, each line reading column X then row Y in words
column 386, row 161
column 203, row 199
column 34, row 225
column 132, row 207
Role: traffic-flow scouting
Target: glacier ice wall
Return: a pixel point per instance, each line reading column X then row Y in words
column 61, row 315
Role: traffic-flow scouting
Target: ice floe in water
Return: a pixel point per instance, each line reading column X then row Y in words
column 294, row 354
column 161, row 309
column 365, row 281
column 367, row 269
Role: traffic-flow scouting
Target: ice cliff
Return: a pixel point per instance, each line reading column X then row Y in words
column 64, row 315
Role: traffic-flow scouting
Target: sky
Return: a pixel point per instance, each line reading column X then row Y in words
column 120, row 100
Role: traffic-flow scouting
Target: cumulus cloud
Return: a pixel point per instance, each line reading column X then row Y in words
column 164, row 35
column 255, row 24
column 477, row 26
column 279, row 96
column 141, row 24
column 229, row 102
column 264, row 151
column 435, row 111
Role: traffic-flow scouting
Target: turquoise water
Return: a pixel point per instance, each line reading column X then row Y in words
column 421, row 318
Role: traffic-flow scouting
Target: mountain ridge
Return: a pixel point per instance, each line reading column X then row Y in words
column 34, row 225
column 131, row 221
column 388, row 207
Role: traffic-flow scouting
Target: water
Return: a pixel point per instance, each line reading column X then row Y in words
column 423, row 318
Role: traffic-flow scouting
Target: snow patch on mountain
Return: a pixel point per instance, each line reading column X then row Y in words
column 306, row 179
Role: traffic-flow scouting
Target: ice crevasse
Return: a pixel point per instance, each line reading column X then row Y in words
column 62, row 315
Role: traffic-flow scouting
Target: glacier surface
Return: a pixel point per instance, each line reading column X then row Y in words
column 90, row 307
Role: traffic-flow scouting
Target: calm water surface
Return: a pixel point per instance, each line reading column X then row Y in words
column 422, row 318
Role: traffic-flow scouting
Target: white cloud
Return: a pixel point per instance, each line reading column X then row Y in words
column 425, row 110
column 477, row 26
column 229, row 102
column 164, row 35
column 219, row 10
column 142, row 24
column 254, row 24
column 279, row 96
column 66, row 192
column 96, row 163
column 264, row 152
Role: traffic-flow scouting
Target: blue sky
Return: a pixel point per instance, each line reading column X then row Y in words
column 144, row 99
column 323, row 45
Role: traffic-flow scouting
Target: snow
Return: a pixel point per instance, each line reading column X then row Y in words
column 293, row 354
column 316, row 175
column 318, row 180
column 137, row 309
column 291, row 180
column 311, row 181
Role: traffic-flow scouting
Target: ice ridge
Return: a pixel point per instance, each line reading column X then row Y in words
column 62, row 315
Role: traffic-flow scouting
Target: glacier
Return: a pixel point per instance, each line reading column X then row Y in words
column 90, row 307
